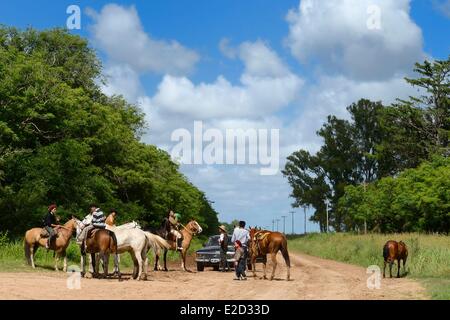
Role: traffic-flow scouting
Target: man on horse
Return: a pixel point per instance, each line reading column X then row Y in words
column 50, row 222
column 111, row 219
column 94, row 220
column 175, row 229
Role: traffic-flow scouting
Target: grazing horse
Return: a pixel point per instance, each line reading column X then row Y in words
column 189, row 231
column 263, row 242
column 59, row 245
column 100, row 241
column 130, row 238
column 392, row 251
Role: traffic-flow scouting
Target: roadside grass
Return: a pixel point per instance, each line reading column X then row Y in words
column 428, row 258
column 12, row 257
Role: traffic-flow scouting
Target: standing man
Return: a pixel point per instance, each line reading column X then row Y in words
column 223, row 242
column 243, row 236
column 49, row 223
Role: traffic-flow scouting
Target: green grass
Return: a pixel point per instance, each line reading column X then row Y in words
column 12, row 258
column 428, row 259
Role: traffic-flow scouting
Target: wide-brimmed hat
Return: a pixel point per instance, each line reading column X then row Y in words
column 222, row 227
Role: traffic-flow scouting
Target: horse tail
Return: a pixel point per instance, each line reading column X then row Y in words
column 156, row 241
column 27, row 251
column 113, row 236
column 386, row 252
column 285, row 253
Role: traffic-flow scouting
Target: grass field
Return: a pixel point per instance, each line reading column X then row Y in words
column 12, row 258
column 428, row 260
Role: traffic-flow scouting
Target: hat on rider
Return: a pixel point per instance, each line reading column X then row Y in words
column 223, row 228
column 51, row 207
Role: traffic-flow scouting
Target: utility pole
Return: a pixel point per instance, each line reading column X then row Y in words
column 365, row 216
column 292, row 212
column 284, row 224
column 273, row 224
column 304, row 210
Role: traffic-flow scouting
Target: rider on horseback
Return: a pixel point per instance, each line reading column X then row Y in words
column 50, row 222
column 175, row 228
column 95, row 219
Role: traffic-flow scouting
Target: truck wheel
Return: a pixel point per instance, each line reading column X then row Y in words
column 200, row 266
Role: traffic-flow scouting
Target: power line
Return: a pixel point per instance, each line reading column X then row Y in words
column 284, row 224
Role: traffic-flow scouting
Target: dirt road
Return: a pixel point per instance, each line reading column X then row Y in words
column 312, row 278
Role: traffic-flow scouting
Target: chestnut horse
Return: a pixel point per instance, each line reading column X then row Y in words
column 104, row 242
column 392, row 251
column 33, row 240
column 263, row 242
column 189, row 231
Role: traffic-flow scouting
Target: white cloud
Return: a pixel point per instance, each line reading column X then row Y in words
column 266, row 86
column 335, row 35
column 122, row 80
column 118, row 31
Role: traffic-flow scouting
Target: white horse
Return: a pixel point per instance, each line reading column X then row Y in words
column 130, row 238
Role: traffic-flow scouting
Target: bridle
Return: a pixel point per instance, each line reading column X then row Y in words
column 192, row 233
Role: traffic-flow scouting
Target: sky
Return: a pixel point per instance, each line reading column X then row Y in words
column 254, row 64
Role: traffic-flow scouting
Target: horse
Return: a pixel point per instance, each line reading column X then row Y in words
column 130, row 238
column 33, row 240
column 263, row 242
column 100, row 241
column 189, row 231
column 392, row 251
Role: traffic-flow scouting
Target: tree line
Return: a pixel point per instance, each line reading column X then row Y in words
column 387, row 167
column 62, row 140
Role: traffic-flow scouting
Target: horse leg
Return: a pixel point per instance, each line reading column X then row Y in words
column 94, row 264
column 144, row 261
column 64, row 254
column 398, row 268
column 135, row 265
column 138, row 256
column 165, row 260
column 117, row 266
column 156, row 261
column 265, row 267
column 56, row 260
column 105, row 257
column 274, row 262
column 32, row 247
column 390, row 268
column 384, row 269
column 83, row 265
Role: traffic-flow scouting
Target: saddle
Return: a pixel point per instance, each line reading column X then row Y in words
column 44, row 233
column 258, row 238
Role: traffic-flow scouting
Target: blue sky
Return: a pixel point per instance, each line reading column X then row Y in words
column 322, row 56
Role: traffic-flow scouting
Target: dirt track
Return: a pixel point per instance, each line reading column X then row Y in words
column 312, row 278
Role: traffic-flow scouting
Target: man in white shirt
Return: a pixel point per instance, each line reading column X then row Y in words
column 243, row 236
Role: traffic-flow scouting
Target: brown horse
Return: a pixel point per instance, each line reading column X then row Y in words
column 33, row 240
column 392, row 251
column 263, row 242
column 189, row 231
column 104, row 242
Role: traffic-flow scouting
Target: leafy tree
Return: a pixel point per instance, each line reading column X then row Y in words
column 62, row 140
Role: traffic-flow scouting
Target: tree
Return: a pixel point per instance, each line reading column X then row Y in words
column 62, row 140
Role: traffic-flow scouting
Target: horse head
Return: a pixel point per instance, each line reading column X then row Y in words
column 194, row 227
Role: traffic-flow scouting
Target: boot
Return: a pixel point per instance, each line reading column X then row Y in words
column 179, row 244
